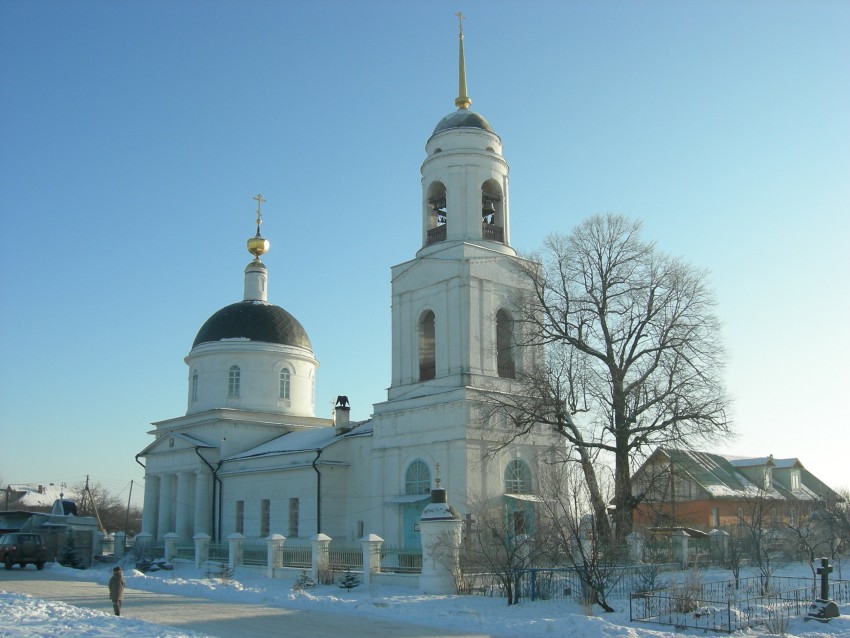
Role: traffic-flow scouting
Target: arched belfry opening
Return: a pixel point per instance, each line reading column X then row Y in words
column 436, row 211
column 427, row 350
column 492, row 212
column 505, row 345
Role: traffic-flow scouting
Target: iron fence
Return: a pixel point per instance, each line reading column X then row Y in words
column 294, row 555
column 398, row 559
column 735, row 609
column 219, row 552
column 566, row 583
column 186, row 552
column 255, row 553
column 342, row 558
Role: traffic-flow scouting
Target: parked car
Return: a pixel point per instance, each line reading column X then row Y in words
column 22, row 548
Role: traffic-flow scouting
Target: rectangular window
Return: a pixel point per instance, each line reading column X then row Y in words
column 240, row 517
column 795, row 481
column 361, row 529
column 715, row 517
column 293, row 518
column 234, row 379
column 265, row 517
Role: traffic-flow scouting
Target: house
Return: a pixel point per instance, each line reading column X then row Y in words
column 704, row 491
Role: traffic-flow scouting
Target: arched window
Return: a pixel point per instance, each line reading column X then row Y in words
column 492, row 213
column 233, row 382
column 517, row 478
column 427, row 359
column 284, row 383
column 417, row 480
column 505, row 345
column 195, row 385
column 436, row 211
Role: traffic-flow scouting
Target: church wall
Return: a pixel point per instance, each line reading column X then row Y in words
column 278, row 486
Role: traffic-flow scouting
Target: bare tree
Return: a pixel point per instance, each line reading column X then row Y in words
column 494, row 545
column 112, row 512
column 633, row 354
column 831, row 525
column 574, row 533
column 762, row 533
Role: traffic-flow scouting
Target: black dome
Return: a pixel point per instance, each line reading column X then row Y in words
column 255, row 321
column 463, row 119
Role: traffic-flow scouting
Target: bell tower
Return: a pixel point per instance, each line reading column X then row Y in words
column 465, row 179
column 453, row 304
column 454, row 332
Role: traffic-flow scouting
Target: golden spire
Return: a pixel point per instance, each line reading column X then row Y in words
column 258, row 245
column 463, row 100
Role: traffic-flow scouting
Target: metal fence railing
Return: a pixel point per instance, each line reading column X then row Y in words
column 294, row 555
column 736, row 609
column 219, row 552
column 341, row 558
column 398, row 559
column 186, row 552
column 255, row 553
column 565, row 583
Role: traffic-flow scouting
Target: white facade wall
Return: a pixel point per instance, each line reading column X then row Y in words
column 259, row 366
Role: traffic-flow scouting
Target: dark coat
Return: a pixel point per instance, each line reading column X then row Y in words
column 116, row 586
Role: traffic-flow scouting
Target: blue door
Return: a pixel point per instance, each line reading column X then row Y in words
column 411, row 514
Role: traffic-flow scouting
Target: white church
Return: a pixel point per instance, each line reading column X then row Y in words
column 251, row 457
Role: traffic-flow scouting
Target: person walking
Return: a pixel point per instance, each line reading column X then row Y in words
column 116, row 589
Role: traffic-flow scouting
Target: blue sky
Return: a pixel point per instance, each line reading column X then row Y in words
column 134, row 134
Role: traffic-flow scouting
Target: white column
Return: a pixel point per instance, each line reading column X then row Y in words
column 166, row 503
column 371, row 546
column 185, row 502
column 203, row 501
column 202, row 549
column 150, row 513
column 321, row 570
column 234, row 554
column 440, row 528
column 273, row 544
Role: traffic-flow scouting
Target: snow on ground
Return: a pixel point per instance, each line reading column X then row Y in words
column 21, row 616
column 24, row 617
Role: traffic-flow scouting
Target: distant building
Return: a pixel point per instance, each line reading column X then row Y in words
column 250, row 456
column 701, row 490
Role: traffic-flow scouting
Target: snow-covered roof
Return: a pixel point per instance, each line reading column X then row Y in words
column 34, row 498
column 299, row 441
column 722, row 475
column 303, row 440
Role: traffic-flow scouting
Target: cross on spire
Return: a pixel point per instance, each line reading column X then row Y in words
column 260, row 202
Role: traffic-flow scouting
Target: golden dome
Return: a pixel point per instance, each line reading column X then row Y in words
column 258, row 245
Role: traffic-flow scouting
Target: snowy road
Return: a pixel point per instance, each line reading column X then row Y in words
column 212, row 618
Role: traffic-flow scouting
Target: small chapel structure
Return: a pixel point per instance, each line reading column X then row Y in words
column 251, row 457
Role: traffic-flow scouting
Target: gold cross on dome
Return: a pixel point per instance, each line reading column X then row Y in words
column 460, row 19
column 260, row 202
column 437, row 472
